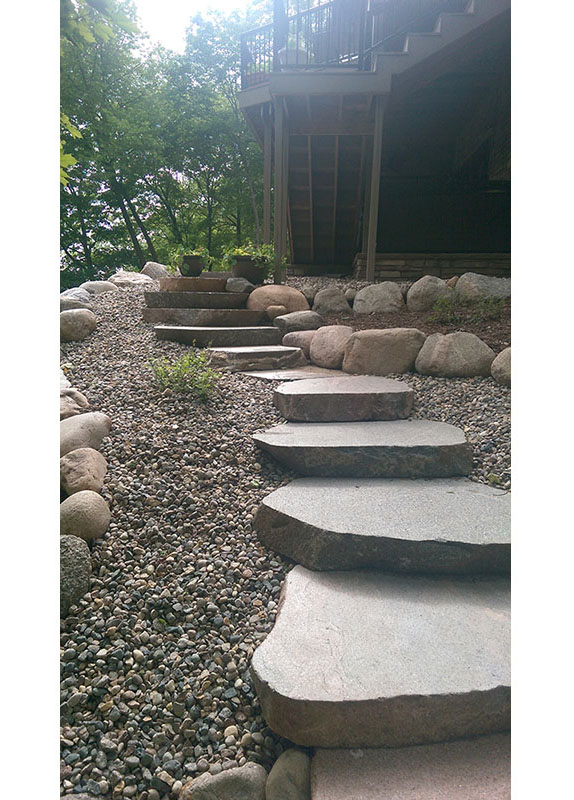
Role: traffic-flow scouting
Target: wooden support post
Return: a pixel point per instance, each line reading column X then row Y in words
column 374, row 187
column 267, row 163
column 280, row 208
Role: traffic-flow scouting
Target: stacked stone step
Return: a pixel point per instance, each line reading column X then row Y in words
column 393, row 630
column 201, row 312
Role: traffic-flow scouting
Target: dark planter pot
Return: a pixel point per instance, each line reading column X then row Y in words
column 245, row 267
column 191, row 266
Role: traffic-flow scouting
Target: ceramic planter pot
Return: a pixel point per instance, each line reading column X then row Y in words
column 191, row 266
column 245, row 267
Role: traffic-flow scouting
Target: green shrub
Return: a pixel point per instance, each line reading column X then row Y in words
column 454, row 311
column 191, row 374
column 487, row 308
column 446, row 311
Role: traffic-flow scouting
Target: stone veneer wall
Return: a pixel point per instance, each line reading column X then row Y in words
column 412, row 266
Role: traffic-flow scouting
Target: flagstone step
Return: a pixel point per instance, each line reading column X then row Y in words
column 212, row 317
column 472, row 769
column 199, row 284
column 298, row 374
column 218, row 337
column 346, row 399
column 271, row 357
column 195, row 299
column 414, row 448
column 371, row 659
column 445, row 525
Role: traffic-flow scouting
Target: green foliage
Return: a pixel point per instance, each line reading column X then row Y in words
column 263, row 255
column 190, row 374
column 454, row 311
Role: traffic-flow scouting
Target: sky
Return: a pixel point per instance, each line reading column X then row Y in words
column 166, row 20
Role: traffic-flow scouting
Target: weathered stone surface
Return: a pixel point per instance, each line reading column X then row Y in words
column 472, row 286
column 219, row 337
column 239, row 285
column 82, row 469
column 347, row 399
column 379, row 298
column 277, row 295
column 296, row 374
column 85, row 514
column 199, row 284
column 425, row 292
column 328, row 346
column 290, row 777
column 239, row 359
column 64, row 382
column 197, row 300
column 453, row 281
column 98, row 287
column 300, row 339
column 298, row 321
column 446, row 525
column 454, row 355
column 72, row 402
column 382, row 352
column 69, row 303
column 309, row 292
column 500, row 368
column 275, row 311
column 415, row 448
column 126, row 280
column 241, row 783
column 84, row 430
column 75, row 571
column 78, row 294
column 350, row 295
column 331, row 301
column 205, row 317
column 370, row 659
column 76, row 324
column 156, row 271
column 474, row 769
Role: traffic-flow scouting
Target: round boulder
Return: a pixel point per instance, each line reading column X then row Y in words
column 239, row 783
column 309, row 292
column 75, row 571
column 454, row 355
column 78, row 294
column 350, row 295
column 156, row 271
column 239, row 285
column 425, row 292
column 69, row 303
column 76, row 324
column 72, row 402
column 277, row 295
column 328, row 346
column 383, row 352
column 290, row 777
column 275, row 311
column 331, row 301
column 452, row 281
column 64, row 382
column 124, row 279
column 300, row 339
column 298, row 321
column 85, row 514
column 98, row 287
column 379, row 298
column 84, row 430
column 82, row 469
column 472, row 286
column 500, row 368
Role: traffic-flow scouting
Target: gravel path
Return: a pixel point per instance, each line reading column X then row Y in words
column 155, row 683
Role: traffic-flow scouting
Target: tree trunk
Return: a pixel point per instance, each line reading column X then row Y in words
column 117, row 191
column 141, row 226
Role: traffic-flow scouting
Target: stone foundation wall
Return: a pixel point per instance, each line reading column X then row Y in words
column 411, row 267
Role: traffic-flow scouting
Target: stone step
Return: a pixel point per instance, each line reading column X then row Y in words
column 212, row 317
column 239, row 359
column 298, row 374
column 195, row 299
column 199, row 284
column 369, row 659
column 445, row 525
column 414, row 448
column 473, row 769
column 347, row 399
column 218, row 337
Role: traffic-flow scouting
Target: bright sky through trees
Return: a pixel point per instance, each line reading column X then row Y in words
column 166, row 20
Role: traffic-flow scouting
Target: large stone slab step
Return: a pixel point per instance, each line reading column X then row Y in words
column 472, row 769
column 371, row 659
column 195, row 299
column 445, row 525
column 272, row 357
column 218, row 337
column 206, row 317
column 348, row 399
column 297, row 374
column 199, row 284
column 415, row 448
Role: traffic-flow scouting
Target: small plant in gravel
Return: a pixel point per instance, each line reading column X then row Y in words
column 452, row 311
column 190, row 374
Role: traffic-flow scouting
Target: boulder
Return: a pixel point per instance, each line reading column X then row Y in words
column 350, row 295
column 126, row 280
column 300, row 339
column 72, row 402
column 64, row 382
column 156, row 271
column 239, row 783
column 453, row 281
column 76, row 324
column 75, row 571
column 331, row 301
column 454, row 355
column 81, row 470
column 379, row 298
column 472, row 286
column 328, row 346
column 77, row 293
column 310, row 292
column 277, row 295
column 98, row 287
column 84, row 430
column 298, row 321
column 290, row 777
column 383, row 352
column 85, row 514
column 425, row 292
column 69, row 303
column 500, row 368
column 275, row 311
column 239, row 285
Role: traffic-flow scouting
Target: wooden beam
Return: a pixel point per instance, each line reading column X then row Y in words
column 310, row 183
column 335, row 184
column 267, row 166
column 279, row 185
column 375, row 186
column 332, row 127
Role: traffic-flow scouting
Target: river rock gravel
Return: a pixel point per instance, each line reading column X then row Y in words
column 155, row 683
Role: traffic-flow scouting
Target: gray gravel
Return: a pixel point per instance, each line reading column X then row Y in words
column 155, row 683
